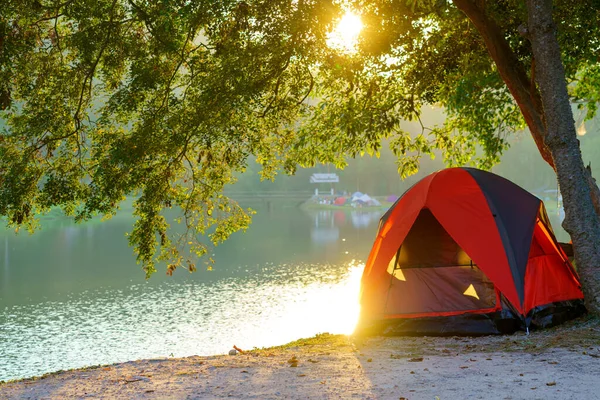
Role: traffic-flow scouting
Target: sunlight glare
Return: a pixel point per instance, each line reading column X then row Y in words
column 338, row 305
column 345, row 35
column 349, row 307
column 581, row 129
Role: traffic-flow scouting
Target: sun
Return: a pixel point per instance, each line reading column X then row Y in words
column 345, row 35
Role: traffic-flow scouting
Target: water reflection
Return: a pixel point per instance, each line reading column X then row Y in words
column 328, row 223
column 278, row 305
column 325, row 228
column 365, row 219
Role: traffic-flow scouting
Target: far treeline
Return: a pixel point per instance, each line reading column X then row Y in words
column 168, row 100
column 378, row 176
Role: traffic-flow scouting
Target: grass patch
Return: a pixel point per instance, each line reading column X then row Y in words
column 319, row 342
column 53, row 373
column 184, row 373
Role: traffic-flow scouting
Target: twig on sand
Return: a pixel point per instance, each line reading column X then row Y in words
column 131, row 380
column 238, row 349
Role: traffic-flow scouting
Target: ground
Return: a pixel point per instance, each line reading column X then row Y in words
column 557, row 363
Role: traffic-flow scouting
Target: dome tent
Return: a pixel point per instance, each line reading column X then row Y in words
column 466, row 251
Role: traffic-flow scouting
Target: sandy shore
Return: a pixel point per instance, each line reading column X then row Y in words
column 560, row 363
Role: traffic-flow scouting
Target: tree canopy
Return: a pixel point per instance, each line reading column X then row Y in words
column 168, row 100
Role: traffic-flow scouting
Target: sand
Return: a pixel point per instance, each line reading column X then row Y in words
column 560, row 363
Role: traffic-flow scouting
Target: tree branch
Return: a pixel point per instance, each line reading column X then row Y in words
column 276, row 91
column 92, row 71
column 512, row 72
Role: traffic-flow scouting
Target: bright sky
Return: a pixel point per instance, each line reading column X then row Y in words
column 345, row 35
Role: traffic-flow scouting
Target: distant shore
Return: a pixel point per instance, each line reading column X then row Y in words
column 326, row 202
column 349, row 208
column 556, row 363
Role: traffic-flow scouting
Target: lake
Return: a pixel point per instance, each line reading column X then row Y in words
column 72, row 295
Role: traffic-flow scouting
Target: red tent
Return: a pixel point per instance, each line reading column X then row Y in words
column 340, row 201
column 467, row 251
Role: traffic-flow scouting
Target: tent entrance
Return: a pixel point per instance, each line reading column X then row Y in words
column 431, row 275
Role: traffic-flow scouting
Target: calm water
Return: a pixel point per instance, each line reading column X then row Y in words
column 72, row 295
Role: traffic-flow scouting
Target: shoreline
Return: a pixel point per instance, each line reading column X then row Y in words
column 561, row 362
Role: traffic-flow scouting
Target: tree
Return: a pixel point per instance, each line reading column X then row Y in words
column 164, row 101
column 167, row 100
column 579, row 190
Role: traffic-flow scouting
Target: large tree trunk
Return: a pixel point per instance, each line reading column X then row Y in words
column 520, row 86
column 511, row 71
column 581, row 220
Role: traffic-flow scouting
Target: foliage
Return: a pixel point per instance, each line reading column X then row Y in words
column 161, row 100
column 167, row 101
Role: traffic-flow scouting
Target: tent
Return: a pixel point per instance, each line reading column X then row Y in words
column 340, row 201
column 368, row 200
column 356, row 195
column 465, row 251
column 364, row 199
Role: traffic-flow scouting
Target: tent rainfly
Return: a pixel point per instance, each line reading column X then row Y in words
column 466, row 251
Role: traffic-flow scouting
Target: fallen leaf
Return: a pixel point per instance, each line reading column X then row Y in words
column 244, row 371
column 369, row 359
column 106, row 369
column 301, row 375
column 464, row 367
column 553, row 362
column 551, row 383
column 412, row 372
column 415, row 359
